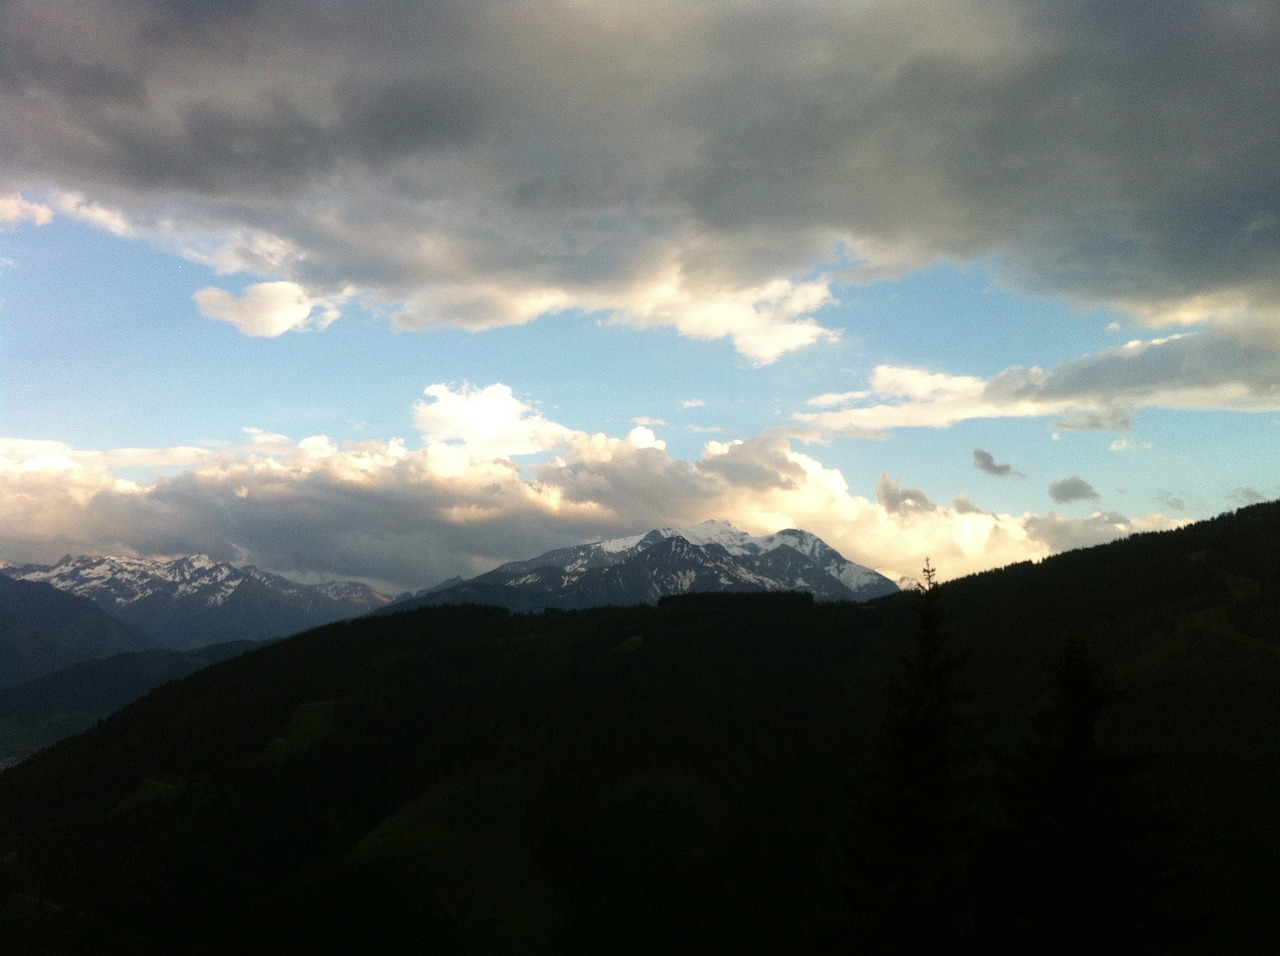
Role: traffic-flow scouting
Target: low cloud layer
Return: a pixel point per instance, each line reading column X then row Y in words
column 716, row 168
column 491, row 480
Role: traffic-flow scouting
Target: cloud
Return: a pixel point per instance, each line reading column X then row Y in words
column 1123, row 444
column 983, row 461
column 833, row 399
column 1096, row 420
column 718, row 170
column 14, row 209
column 1246, row 496
column 487, row 422
column 109, row 220
column 764, row 322
column 1071, row 489
column 902, row 397
column 266, row 309
column 407, row 517
column 1064, row 534
column 1227, row 368
column 898, row 500
column 962, row 505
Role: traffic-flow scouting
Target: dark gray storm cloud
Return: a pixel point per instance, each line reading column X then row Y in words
column 1072, row 489
column 455, row 161
column 984, row 461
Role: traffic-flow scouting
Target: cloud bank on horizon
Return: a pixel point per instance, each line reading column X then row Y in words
column 720, row 172
column 460, row 504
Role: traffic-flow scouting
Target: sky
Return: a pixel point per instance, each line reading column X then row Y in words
column 395, row 291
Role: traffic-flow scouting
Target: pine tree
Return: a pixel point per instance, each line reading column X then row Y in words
column 911, row 844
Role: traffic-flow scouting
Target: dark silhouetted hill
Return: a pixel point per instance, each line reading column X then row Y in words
column 663, row 778
column 43, row 629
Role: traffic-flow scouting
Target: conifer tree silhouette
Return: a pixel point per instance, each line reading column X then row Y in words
column 910, row 851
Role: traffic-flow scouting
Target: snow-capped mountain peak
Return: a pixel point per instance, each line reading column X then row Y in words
column 195, row 599
column 710, row 556
column 713, row 531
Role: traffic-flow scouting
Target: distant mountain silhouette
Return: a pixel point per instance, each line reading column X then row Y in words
column 43, row 629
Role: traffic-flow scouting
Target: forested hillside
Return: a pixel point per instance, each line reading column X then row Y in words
column 45, row 709
column 714, row 774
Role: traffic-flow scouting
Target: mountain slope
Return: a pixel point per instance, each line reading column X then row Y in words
column 51, row 707
column 43, row 629
column 643, row 779
column 708, row 557
column 194, row 601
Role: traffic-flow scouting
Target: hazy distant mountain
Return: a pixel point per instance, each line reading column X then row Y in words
column 43, row 629
column 195, row 601
column 709, row 557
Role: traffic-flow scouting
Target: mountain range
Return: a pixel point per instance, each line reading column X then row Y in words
column 195, row 601
column 711, row 557
column 84, row 636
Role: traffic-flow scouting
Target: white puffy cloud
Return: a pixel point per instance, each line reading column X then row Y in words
column 487, row 422
column 409, row 517
column 266, row 309
column 14, row 209
column 764, row 322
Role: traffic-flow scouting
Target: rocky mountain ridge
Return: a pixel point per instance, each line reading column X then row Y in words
column 194, row 600
column 711, row 557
